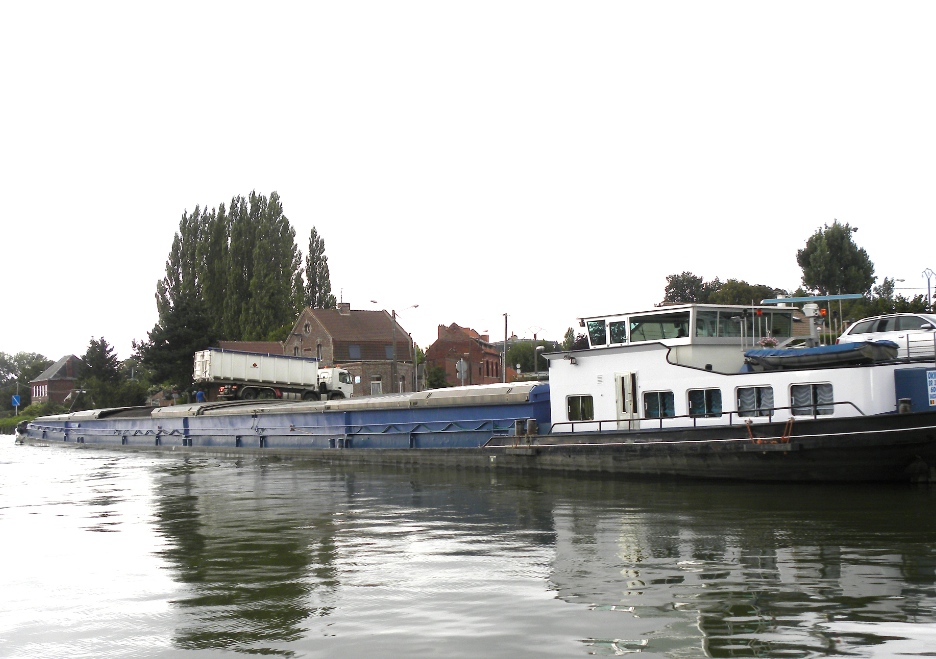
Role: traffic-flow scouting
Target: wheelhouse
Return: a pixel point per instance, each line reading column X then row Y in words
column 688, row 324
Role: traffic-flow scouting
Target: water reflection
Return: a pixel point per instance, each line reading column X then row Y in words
column 211, row 558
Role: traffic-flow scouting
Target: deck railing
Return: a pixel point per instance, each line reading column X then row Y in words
column 734, row 417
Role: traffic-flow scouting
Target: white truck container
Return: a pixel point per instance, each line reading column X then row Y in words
column 249, row 375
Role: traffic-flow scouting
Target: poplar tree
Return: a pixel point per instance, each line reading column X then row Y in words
column 318, row 293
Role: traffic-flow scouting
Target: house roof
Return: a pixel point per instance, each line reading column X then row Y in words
column 262, row 347
column 358, row 326
column 58, row 371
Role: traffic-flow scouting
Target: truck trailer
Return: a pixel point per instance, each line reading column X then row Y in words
column 239, row 375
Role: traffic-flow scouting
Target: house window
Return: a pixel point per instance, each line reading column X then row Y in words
column 581, row 408
column 705, row 402
column 389, row 351
column 812, row 399
column 659, row 404
column 307, row 328
column 755, row 401
column 318, row 351
column 295, row 351
column 354, row 351
column 376, row 386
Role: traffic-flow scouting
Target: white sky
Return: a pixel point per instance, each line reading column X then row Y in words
column 549, row 160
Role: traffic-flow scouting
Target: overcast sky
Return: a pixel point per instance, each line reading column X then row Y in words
column 548, row 160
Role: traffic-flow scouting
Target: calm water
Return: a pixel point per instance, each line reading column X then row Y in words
column 137, row 555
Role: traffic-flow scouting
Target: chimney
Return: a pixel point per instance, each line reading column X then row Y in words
column 344, row 308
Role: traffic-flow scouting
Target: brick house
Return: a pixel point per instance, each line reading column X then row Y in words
column 359, row 341
column 57, row 381
column 455, row 343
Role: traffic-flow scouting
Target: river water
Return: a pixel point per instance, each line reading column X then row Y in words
column 117, row 554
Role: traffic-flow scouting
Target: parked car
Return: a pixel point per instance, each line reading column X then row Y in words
column 914, row 333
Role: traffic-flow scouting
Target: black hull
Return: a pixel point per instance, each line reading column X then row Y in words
column 885, row 448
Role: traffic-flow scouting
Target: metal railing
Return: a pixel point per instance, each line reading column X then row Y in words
column 734, row 418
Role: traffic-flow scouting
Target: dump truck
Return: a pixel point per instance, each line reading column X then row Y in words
column 238, row 375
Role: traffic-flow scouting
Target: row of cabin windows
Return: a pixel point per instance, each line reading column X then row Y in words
column 806, row 399
column 676, row 325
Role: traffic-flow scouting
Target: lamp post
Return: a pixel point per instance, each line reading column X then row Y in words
column 536, row 351
column 928, row 273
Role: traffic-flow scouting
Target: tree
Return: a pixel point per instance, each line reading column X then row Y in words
column 683, row 289
column 172, row 344
column 101, row 378
column 735, row 291
column 318, row 293
column 832, row 263
column 16, row 372
column 435, row 378
column 568, row 340
column 272, row 299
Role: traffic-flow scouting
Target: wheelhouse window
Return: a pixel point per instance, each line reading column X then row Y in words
column 659, row 405
column 597, row 332
column 755, row 401
column 659, row 326
column 812, row 399
column 705, row 402
column 618, row 331
column 580, row 408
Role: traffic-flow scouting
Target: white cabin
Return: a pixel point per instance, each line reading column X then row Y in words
column 684, row 366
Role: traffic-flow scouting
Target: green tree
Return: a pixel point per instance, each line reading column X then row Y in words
column 170, row 349
column 101, row 379
column 273, row 299
column 435, row 378
column 735, row 291
column 832, row 263
column 568, row 340
column 16, row 372
column 318, row 293
column 683, row 289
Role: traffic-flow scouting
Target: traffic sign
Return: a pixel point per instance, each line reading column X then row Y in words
column 15, row 401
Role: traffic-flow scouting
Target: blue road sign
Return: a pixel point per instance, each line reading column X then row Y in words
column 15, row 401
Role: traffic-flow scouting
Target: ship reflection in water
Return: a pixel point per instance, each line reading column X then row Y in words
column 293, row 559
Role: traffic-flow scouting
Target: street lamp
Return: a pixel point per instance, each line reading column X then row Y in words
column 536, row 350
column 928, row 273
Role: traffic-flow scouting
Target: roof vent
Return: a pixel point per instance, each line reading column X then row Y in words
column 344, row 308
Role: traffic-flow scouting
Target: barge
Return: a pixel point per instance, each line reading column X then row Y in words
column 668, row 392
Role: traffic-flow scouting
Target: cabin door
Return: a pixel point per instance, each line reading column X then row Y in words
column 626, row 388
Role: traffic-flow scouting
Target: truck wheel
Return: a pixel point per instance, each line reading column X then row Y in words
column 335, row 395
column 310, row 395
column 249, row 394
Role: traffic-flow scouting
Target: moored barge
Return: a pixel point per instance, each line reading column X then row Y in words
column 666, row 392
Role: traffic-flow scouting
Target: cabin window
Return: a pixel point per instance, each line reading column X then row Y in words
column 597, row 332
column 706, row 323
column 659, row 404
column 659, row 326
column 812, row 399
column 705, row 402
column 755, row 401
column 581, row 408
column 618, row 330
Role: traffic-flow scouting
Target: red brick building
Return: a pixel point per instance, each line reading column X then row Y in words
column 57, row 381
column 455, row 343
column 361, row 342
